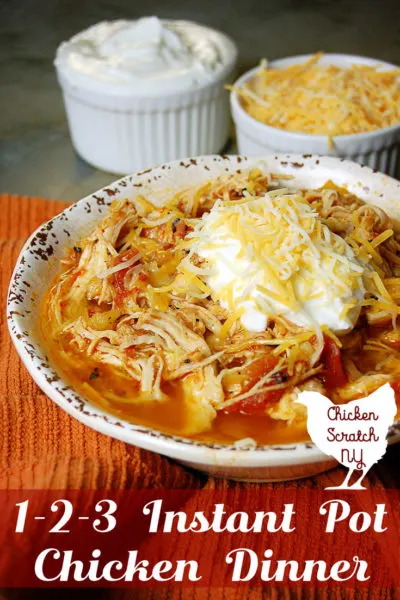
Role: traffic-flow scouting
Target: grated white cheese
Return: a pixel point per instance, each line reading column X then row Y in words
column 119, row 267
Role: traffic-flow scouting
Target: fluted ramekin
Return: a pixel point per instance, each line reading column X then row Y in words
column 124, row 133
column 377, row 149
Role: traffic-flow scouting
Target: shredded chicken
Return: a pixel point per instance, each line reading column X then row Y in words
column 98, row 252
column 123, row 301
column 202, row 391
column 287, row 409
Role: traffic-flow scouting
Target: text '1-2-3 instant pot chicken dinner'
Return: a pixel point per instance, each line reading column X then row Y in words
column 206, row 316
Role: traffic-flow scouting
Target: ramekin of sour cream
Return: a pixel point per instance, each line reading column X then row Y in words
column 139, row 93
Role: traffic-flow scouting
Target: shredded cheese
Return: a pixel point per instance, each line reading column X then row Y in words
column 382, row 237
column 226, row 327
column 272, row 254
column 324, row 99
column 121, row 266
column 192, row 278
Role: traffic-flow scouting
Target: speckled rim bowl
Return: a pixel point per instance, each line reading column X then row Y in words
column 38, row 262
column 377, row 149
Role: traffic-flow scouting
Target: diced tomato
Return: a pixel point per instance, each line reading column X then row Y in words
column 143, row 277
column 118, row 282
column 180, row 228
column 394, row 344
column 396, row 386
column 235, row 194
column 125, row 256
column 120, row 297
column 131, row 352
column 119, row 277
column 256, row 403
column 259, row 367
column 334, row 372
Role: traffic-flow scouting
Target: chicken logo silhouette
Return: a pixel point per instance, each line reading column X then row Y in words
column 353, row 433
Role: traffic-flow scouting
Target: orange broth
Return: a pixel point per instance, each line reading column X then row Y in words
column 115, row 393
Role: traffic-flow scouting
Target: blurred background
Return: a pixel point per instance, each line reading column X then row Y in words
column 36, row 155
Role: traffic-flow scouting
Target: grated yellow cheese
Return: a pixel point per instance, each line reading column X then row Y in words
column 274, row 254
column 366, row 251
column 192, row 278
column 329, row 333
column 226, row 327
column 324, row 99
column 370, row 249
column 143, row 206
column 381, row 287
column 379, row 305
column 382, row 237
column 293, row 341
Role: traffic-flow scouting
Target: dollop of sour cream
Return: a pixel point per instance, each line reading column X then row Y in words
column 152, row 54
column 273, row 256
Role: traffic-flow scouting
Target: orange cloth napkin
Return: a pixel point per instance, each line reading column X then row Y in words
column 43, row 447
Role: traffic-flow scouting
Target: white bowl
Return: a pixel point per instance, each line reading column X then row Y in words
column 38, row 263
column 123, row 131
column 376, row 149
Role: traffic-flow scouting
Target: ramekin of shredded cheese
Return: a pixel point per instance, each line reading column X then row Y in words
column 337, row 104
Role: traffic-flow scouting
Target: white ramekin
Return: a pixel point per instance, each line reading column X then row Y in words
column 376, row 149
column 126, row 133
